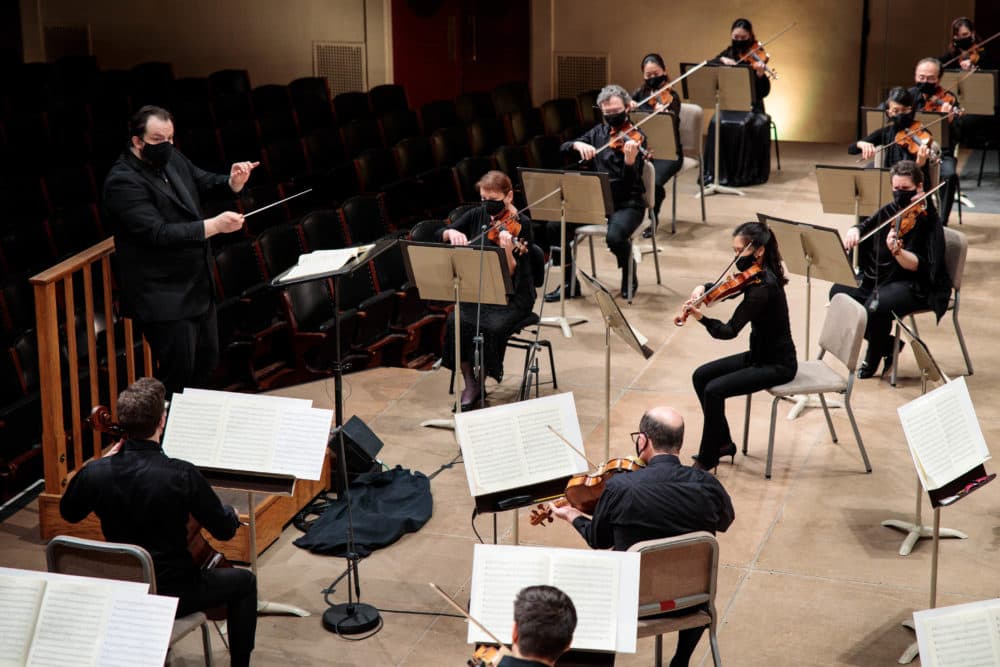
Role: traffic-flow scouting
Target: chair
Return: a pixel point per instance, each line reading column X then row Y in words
column 956, row 246
column 521, row 126
column 311, row 101
column 324, row 148
column 376, row 168
column 843, row 331
column 691, row 145
column 774, row 135
column 469, row 170
column 240, row 141
column 286, row 160
column 124, row 562
column 487, row 135
column 271, row 98
column 232, row 107
column 438, row 114
column 590, row 114
column 323, row 230
column 470, row 107
column 511, row 97
column 277, row 126
column 364, row 218
column 449, row 145
column 413, row 156
column 545, row 152
column 531, row 346
column 360, row 135
column 560, row 116
column 229, row 82
column 280, row 247
column 387, row 97
column 590, row 231
column 398, row 125
column 678, row 573
column 351, row 106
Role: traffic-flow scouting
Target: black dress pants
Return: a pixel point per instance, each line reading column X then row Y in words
column 187, row 351
column 621, row 224
column 724, row 378
column 232, row 587
column 896, row 297
column 949, row 177
column 665, row 170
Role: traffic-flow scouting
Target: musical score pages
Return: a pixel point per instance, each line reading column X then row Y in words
column 604, row 587
column 943, row 433
column 52, row 620
column 248, row 432
column 510, row 446
column 965, row 635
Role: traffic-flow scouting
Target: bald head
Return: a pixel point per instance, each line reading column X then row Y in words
column 665, row 429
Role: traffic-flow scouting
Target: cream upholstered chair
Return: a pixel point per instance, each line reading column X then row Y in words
column 691, row 145
column 125, row 562
column 678, row 574
column 843, row 332
column 956, row 246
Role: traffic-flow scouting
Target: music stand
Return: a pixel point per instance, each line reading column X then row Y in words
column 854, row 191
column 814, row 252
column 929, row 371
column 615, row 321
column 584, row 198
column 875, row 119
column 661, row 140
column 730, row 88
column 443, row 272
column 976, row 92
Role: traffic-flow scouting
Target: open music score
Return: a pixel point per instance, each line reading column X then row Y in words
column 53, row 620
column 604, row 587
column 960, row 635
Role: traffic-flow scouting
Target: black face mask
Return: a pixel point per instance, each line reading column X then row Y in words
column 656, row 82
column 745, row 262
column 927, row 88
column 616, row 120
column 963, row 43
column 741, row 45
column 902, row 121
column 157, row 154
column 494, row 207
column 903, row 197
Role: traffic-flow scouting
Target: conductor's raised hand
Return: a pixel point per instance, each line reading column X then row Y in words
column 225, row 222
column 455, row 237
column 586, row 151
column 239, row 174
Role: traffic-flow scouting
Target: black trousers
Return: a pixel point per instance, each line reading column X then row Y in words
column 621, row 224
column 187, row 351
column 949, row 177
column 896, row 297
column 665, row 170
column 724, row 378
column 234, row 588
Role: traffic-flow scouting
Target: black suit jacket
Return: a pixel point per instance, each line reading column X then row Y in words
column 163, row 256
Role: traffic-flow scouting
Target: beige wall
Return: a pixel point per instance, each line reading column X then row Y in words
column 818, row 61
column 273, row 40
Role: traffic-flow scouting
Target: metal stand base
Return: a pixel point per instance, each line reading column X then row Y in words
column 716, row 189
column 804, row 401
column 912, row 651
column 448, row 424
column 265, row 607
column 563, row 323
column 351, row 619
column 915, row 532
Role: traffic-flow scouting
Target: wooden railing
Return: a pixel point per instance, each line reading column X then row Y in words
column 57, row 321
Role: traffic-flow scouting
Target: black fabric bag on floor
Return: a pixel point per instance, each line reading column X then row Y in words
column 385, row 506
column 745, row 149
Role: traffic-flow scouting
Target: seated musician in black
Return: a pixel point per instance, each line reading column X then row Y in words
column 544, row 621
column 929, row 96
column 143, row 497
column 899, row 275
column 624, row 168
column 496, row 323
column 899, row 113
column 663, row 499
column 654, row 75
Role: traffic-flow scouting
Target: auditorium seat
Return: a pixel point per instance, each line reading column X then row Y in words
column 545, row 152
column 311, row 101
column 324, row 148
column 486, row 135
column 590, row 113
column 437, row 114
column 229, row 82
column 387, row 97
column 560, row 118
column 277, row 126
column 257, row 197
column 398, row 125
column 469, row 170
column 323, row 230
column 240, row 141
column 359, row 135
column 511, row 97
column 413, row 156
column 523, row 125
column 376, row 168
column 201, row 145
column 364, row 219
column 231, row 107
column 351, row 106
column 449, row 145
column 471, row 107
column 286, row 160
column 270, row 98
column 440, row 190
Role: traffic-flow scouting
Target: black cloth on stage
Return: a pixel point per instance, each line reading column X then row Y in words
column 497, row 323
column 762, row 84
column 385, row 505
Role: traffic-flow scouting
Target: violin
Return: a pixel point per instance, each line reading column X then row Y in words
column 729, row 287
column 202, row 553
column 627, row 132
column 758, row 54
column 487, row 655
column 906, row 222
column 584, row 490
column 913, row 137
column 508, row 222
column 941, row 97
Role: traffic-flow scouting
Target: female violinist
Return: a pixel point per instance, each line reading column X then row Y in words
column 899, row 113
column 745, row 143
column 654, row 75
column 960, row 54
column 771, row 358
column 496, row 323
column 901, row 272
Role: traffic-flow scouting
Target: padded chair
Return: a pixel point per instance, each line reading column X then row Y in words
column 280, row 247
column 278, row 126
column 545, row 153
column 842, row 334
column 387, row 97
column 956, row 246
column 359, row 135
column 351, row 106
column 286, row 160
column 324, row 148
column 512, row 96
column 523, row 125
column 438, row 114
column 376, row 168
column 470, row 107
column 232, row 107
column 270, row 98
column 691, row 145
column 487, row 135
column 123, row 562
column 560, row 116
column 240, row 141
column 364, row 218
column 397, row 125
column 440, row 189
column 590, row 114
column 678, row 573
column 469, row 170
column 449, row 145
column 590, row 231
column 229, row 82
column 323, row 230
column 413, row 156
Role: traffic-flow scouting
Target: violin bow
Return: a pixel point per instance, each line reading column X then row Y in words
column 965, row 52
column 903, row 212
column 669, row 85
column 572, row 446
column 879, row 149
column 765, row 43
column 459, row 609
column 517, row 213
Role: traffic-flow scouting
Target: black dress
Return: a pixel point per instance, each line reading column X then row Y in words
column 497, row 323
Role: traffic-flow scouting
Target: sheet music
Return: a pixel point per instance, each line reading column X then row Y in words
column 301, row 441
column 604, row 587
column 510, row 446
column 19, row 599
column 943, row 433
column 966, row 635
column 322, row 262
column 70, row 623
column 138, row 631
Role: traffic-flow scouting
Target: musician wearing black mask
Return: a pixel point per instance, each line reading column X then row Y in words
column 624, row 167
column 899, row 112
column 928, row 95
column 901, row 273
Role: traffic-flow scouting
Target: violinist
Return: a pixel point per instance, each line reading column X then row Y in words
column 544, row 622
column 624, row 167
column 928, row 95
column 663, row 499
column 143, row 497
column 736, row 55
column 654, row 75
column 496, row 323
column 960, row 53
column 771, row 359
column 899, row 110
column 901, row 273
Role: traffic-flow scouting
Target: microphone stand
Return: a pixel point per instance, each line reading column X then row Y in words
column 477, row 340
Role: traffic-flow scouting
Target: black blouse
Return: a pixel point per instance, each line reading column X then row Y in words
column 893, row 153
column 626, row 181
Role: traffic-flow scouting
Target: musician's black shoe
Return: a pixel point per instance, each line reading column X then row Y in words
column 554, row 294
column 635, row 285
column 887, row 362
column 648, row 234
column 730, row 451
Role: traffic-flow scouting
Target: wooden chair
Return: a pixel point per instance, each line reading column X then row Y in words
column 677, row 574
column 125, row 562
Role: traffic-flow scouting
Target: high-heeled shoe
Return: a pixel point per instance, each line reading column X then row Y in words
column 887, row 362
column 730, row 451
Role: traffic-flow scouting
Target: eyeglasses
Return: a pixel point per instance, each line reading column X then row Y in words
column 635, row 437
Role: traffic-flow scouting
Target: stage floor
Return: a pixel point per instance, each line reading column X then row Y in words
column 807, row 574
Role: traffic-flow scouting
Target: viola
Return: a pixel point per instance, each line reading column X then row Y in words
column 584, row 490
column 726, row 288
column 202, row 553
